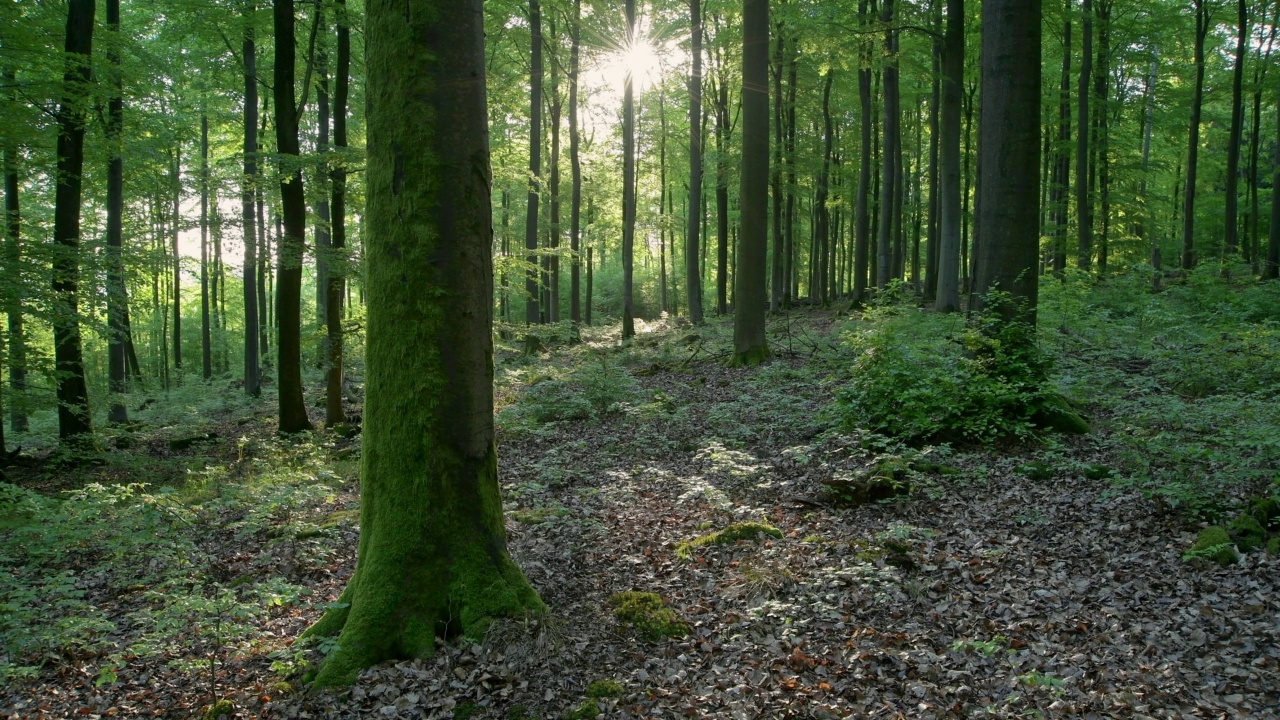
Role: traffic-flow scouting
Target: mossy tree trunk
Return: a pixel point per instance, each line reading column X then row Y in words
column 432, row 556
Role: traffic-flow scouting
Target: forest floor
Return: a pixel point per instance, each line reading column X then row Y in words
column 1012, row 587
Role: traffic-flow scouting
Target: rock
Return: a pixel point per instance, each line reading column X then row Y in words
column 1215, row 544
column 1055, row 413
column 1266, row 511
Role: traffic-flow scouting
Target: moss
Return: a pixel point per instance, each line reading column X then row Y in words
column 218, row 709
column 1056, row 414
column 282, row 688
column 934, row 468
column 538, row 515
column 1273, row 546
column 1247, row 532
column 466, row 711
column 603, row 689
column 1095, row 471
column 1265, row 510
column 1214, row 543
column 729, row 535
column 755, row 356
column 648, row 614
column 1037, row 470
column 586, row 711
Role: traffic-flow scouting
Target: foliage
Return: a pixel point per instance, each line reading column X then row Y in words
column 589, row 390
column 925, row 377
column 1214, row 543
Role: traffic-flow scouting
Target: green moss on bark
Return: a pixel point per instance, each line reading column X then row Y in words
column 729, row 535
column 757, row 355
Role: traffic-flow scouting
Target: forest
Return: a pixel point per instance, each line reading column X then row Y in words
column 569, row 359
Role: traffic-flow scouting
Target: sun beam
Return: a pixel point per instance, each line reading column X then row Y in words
column 638, row 60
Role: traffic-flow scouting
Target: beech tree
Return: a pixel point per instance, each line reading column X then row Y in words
column 1009, row 140
column 432, row 554
column 750, row 346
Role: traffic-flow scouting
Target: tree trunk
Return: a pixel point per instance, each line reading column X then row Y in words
column 1009, row 142
column 628, row 186
column 1271, row 269
column 931, row 232
column 663, row 209
column 575, row 169
column 1101, row 84
column 1084, row 203
column 818, row 290
column 252, row 372
column 117, row 298
column 333, row 413
column 750, row 347
column 1231, row 236
column 293, row 203
column 264, row 251
column 862, row 219
column 951, row 220
column 1193, row 140
column 777, row 279
column 552, row 261
column 532, row 313
column 1061, row 190
column 323, row 239
column 890, row 155
column 789, row 249
column 175, row 225
column 72, row 390
column 206, row 341
column 1259, row 72
column 721, row 99
column 432, row 559
column 692, row 273
column 17, row 344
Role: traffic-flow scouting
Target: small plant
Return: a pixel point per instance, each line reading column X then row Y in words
column 988, row 648
column 603, row 689
column 648, row 614
column 1035, row 678
column 1215, row 544
column 727, row 536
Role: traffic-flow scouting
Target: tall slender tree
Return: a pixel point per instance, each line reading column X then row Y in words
column 206, row 345
column 629, row 184
column 692, row 273
column 778, row 266
column 17, row 345
column 249, row 183
column 333, row 413
column 950, row 219
column 862, row 215
column 117, row 300
column 1202, row 10
column 575, row 168
column 891, row 156
column 432, row 556
column 1084, row 202
column 73, row 392
column 750, row 345
column 531, row 286
column 293, row 204
column 1231, row 229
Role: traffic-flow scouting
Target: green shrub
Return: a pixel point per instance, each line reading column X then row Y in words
column 924, row 377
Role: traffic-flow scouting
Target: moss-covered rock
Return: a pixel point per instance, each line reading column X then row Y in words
column 603, row 689
column 1097, row 471
column 1037, row 470
column 1273, row 546
column 588, row 710
column 219, row 709
column 727, row 536
column 648, row 614
column 1266, row 511
column 1247, row 532
column 886, row 479
column 1215, row 544
column 1056, row 413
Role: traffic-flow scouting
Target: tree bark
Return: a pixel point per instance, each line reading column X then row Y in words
column 777, row 277
column 931, row 232
column 323, row 238
column 818, row 290
column 206, row 340
column 432, row 559
column 1009, row 146
column 890, row 155
column 1271, row 269
column 72, row 390
column 175, row 225
column 552, row 261
column 721, row 100
column 293, row 203
column 17, row 344
column 750, row 346
column 862, row 219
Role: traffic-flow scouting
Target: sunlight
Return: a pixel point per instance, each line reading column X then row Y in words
column 639, row 60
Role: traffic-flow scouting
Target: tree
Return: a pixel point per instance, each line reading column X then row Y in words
column 1271, row 269
column 950, row 219
column 1231, row 231
column 206, row 346
column 1084, row 203
column 692, row 274
column 891, row 154
column 432, row 554
column 252, row 370
column 531, row 315
column 862, row 215
column 1193, row 139
column 117, row 300
column 1008, row 238
column 17, row 347
column 575, row 169
column 333, row 413
column 778, row 267
column 750, row 346
column 73, row 392
column 293, row 203
column 628, row 185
